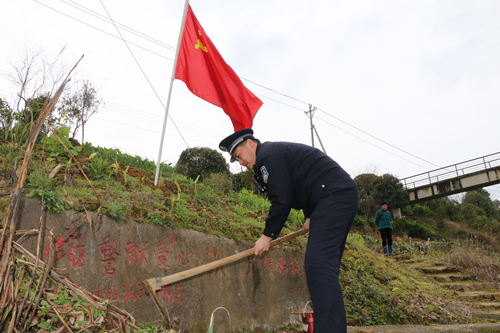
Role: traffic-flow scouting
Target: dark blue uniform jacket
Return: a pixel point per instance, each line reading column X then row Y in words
column 297, row 176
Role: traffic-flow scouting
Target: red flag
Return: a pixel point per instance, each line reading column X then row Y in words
column 207, row 75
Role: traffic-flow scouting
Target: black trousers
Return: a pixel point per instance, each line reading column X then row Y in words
column 386, row 234
column 330, row 223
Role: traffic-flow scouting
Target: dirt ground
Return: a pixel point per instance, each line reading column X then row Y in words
column 483, row 328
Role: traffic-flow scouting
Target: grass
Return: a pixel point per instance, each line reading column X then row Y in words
column 376, row 291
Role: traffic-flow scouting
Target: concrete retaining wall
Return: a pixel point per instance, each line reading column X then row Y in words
column 114, row 257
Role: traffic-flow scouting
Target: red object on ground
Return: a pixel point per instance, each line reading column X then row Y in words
column 308, row 320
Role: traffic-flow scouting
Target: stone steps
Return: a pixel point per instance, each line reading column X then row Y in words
column 487, row 305
column 452, row 277
column 468, row 286
column 439, row 269
column 491, row 315
column 483, row 296
column 479, row 295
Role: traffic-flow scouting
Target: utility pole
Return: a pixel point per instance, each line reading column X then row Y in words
column 310, row 114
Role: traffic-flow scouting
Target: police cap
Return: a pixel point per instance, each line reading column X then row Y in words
column 230, row 143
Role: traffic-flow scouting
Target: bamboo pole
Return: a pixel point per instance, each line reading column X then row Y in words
column 42, row 285
column 8, row 231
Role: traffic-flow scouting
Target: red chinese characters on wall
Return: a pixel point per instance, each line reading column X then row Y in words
column 112, row 294
column 162, row 255
column 171, row 294
column 71, row 247
column 269, row 265
column 183, row 258
column 295, row 266
column 129, row 293
column 282, row 267
column 76, row 251
column 136, row 255
column 214, row 254
column 109, row 249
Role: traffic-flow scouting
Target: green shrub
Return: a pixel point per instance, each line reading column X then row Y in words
column 97, row 167
column 40, row 181
column 53, row 147
column 243, row 180
column 480, row 198
column 388, row 188
column 417, row 230
column 479, row 221
column 199, row 161
column 220, row 182
column 251, row 201
column 422, row 211
column 360, row 220
column 407, row 211
column 116, row 210
column 51, row 200
column 158, row 218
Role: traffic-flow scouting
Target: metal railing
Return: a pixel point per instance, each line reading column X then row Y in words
column 452, row 171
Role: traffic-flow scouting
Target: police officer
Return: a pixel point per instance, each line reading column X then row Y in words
column 302, row 177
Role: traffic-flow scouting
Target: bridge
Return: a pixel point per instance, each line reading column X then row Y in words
column 464, row 176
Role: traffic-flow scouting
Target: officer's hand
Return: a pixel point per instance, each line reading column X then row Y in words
column 306, row 225
column 262, row 245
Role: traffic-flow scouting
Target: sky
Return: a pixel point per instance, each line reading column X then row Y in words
column 400, row 87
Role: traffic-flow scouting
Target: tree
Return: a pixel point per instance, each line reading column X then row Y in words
column 15, row 126
column 77, row 109
column 201, row 161
column 480, row 198
column 374, row 189
column 388, row 188
column 366, row 189
column 6, row 118
column 36, row 78
column 35, row 74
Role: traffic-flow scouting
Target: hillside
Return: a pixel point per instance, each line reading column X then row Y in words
column 377, row 290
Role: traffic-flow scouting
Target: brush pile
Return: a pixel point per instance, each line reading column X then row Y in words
column 33, row 296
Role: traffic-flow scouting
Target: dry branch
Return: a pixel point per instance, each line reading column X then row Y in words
column 11, row 216
column 11, row 307
column 120, row 314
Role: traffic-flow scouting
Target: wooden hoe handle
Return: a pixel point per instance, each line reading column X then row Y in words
column 155, row 284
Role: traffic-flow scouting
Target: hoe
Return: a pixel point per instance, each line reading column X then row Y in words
column 154, row 284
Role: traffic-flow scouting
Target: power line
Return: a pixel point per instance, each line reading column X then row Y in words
column 147, row 129
column 107, row 33
column 357, row 137
column 387, row 143
column 274, row 91
column 153, row 117
column 144, row 73
column 274, row 100
column 127, row 28
column 252, row 82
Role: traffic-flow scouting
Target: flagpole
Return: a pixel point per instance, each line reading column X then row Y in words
column 183, row 23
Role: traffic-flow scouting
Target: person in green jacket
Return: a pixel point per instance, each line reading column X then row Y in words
column 384, row 225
